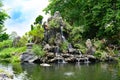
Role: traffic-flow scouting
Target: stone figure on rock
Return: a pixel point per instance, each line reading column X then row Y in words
column 90, row 48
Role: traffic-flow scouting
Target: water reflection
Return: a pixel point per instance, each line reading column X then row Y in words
column 100, row 71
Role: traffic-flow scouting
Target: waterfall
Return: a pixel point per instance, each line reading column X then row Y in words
column 78, row 59
column 62, row 36
column 86, row 60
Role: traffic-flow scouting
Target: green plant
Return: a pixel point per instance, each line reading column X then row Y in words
column 76, row 34
column 23, row 41
column 37, row 49
column 5, row 44
column 4, row 36
column 64, row 46
column 37, row 33
column 19, row 50
column 102, row 55
column 98, row 44
column 3, row 17
column 15, row 59
column 53, row 24
column 6, row 53
column 11, row 54
column 81, row 47
column 38, row 20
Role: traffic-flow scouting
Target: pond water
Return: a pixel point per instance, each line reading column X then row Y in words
column 98, row 71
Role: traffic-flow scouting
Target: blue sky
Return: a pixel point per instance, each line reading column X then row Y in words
column 23, row 14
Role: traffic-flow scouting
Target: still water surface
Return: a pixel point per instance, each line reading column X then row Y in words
column 98, row 71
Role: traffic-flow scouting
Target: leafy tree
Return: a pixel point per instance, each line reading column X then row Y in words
column 37, row 33
column 4, row 36
column 3, row 17
column 23, row 41
column 38, row 20
column 98, row 18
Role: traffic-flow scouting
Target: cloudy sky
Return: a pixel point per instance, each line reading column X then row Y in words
column 23, row 14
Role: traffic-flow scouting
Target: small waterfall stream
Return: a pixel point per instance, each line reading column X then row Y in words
column 59, row 58
column 64, row 39
column 62, row 36
column 86, row 60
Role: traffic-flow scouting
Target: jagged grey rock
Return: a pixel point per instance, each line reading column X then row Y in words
column 28, row 57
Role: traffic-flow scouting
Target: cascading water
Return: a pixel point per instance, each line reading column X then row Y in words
column 64, row 39
column 62, row 36
column 86, row 60
column 60, row 59
column 78, row 59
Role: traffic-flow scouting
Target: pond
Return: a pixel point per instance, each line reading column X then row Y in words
column 97, row 71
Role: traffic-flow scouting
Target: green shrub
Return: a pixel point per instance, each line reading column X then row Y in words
column 11, row 54
column 37, row 33
column 54, row 23
column 4, row 36
column 64, row 46
column 76, row 34
column 81, row 47
column 102, row 55
column 5, row 44
column 6, row 53
column 15, row 59
column 23, row 41
column 20, row 49
column 98, row 44
column 37, row 49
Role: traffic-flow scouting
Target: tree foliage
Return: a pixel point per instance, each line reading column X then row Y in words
column 37, row 33
column 38, row 20
column 98, row 18
column 3, row 17
column 4, row 36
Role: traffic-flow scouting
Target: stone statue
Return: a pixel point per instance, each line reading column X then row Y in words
column 88, row 43
column 90, row 49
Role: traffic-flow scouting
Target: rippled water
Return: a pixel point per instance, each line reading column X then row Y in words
column 98, row 71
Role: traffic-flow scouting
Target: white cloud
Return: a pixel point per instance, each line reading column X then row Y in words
column 28, row 10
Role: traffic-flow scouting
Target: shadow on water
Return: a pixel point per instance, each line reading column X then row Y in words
column 78, row 71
